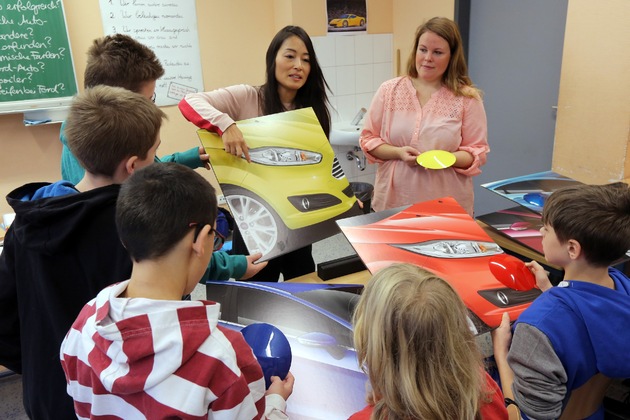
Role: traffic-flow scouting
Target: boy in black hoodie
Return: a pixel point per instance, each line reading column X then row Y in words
column 62, row 247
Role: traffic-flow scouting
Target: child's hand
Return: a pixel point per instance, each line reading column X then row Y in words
column 252, row 267
column 280, row 387
column 204, row 157
column 502, row 337
column 542, row 280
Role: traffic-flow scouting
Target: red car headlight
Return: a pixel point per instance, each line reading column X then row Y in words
column 452, row 248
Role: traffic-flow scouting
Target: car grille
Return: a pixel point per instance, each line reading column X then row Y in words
column 505, row 297
column 337, row 171
column 312, row 202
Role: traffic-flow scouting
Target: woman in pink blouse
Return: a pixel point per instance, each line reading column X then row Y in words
column 435, row 106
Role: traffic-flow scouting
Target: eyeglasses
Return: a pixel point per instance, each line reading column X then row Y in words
column 153, row 97
column 219, row 239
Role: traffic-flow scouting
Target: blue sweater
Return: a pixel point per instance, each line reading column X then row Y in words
column 584, row 327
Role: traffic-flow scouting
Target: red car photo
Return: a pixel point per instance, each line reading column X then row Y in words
column 441, row 237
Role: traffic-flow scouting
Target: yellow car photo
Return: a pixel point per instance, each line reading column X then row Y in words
column 293, row 190
column 347, row 20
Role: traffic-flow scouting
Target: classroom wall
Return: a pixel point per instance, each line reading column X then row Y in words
column 407, row 16
column 519, row 104
column 232, row 52
column 592, row 139
column 233, row 37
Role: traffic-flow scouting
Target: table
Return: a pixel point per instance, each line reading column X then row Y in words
column 360, row 277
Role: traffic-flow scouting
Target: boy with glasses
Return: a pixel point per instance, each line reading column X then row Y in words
column 137, row 350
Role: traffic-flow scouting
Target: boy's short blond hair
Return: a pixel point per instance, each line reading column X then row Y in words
column 597, row 216
column 120, row 60
column 109, row 124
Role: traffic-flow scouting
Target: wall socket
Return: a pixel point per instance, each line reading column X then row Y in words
column 221, row 200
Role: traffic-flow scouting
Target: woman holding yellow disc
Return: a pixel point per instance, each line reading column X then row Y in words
column 415, row 120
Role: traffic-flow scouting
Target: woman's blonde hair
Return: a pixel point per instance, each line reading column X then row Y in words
column 413, row 340
column 455, row 78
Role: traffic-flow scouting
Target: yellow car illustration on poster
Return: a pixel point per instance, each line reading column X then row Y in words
column 293, row 190
column 347, row 20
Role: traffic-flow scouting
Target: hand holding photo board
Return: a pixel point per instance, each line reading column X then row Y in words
column 293, row 190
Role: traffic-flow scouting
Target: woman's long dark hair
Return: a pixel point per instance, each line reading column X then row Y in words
column 312, row 94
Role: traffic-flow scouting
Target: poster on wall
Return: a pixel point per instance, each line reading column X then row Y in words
column 346, row 16
column 293, row 190
column 170, row 30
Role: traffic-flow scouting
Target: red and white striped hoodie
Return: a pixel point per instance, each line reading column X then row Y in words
column 151, row 359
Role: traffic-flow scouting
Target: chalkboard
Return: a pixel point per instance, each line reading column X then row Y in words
column 36, row 67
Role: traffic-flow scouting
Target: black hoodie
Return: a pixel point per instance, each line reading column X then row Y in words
column 58, row 254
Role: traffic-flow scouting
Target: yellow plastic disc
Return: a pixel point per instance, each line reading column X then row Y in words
column 436, row 159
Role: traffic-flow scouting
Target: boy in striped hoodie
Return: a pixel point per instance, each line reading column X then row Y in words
column 137, row 350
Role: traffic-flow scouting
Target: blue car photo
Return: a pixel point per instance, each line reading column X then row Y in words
column 532, row 190
column 316, row 319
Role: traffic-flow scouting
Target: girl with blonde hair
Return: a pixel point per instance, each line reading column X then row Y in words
column 414, row 341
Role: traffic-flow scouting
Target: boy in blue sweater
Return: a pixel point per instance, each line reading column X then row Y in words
column 62, row 247
column 574, row 338
column 121, row 61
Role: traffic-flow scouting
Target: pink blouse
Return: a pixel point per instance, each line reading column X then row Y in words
column 445, row 122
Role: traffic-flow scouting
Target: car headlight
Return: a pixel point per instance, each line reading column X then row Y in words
column 284, row 156
column 453, row 249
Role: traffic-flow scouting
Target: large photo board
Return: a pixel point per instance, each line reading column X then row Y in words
column 293, row 190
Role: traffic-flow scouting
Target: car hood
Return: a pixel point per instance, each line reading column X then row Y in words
column 381, row 239
column 442, row 219
column 299, row 129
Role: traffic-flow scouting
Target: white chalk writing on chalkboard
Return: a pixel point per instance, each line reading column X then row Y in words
column 36, row 68
column 170, row 30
